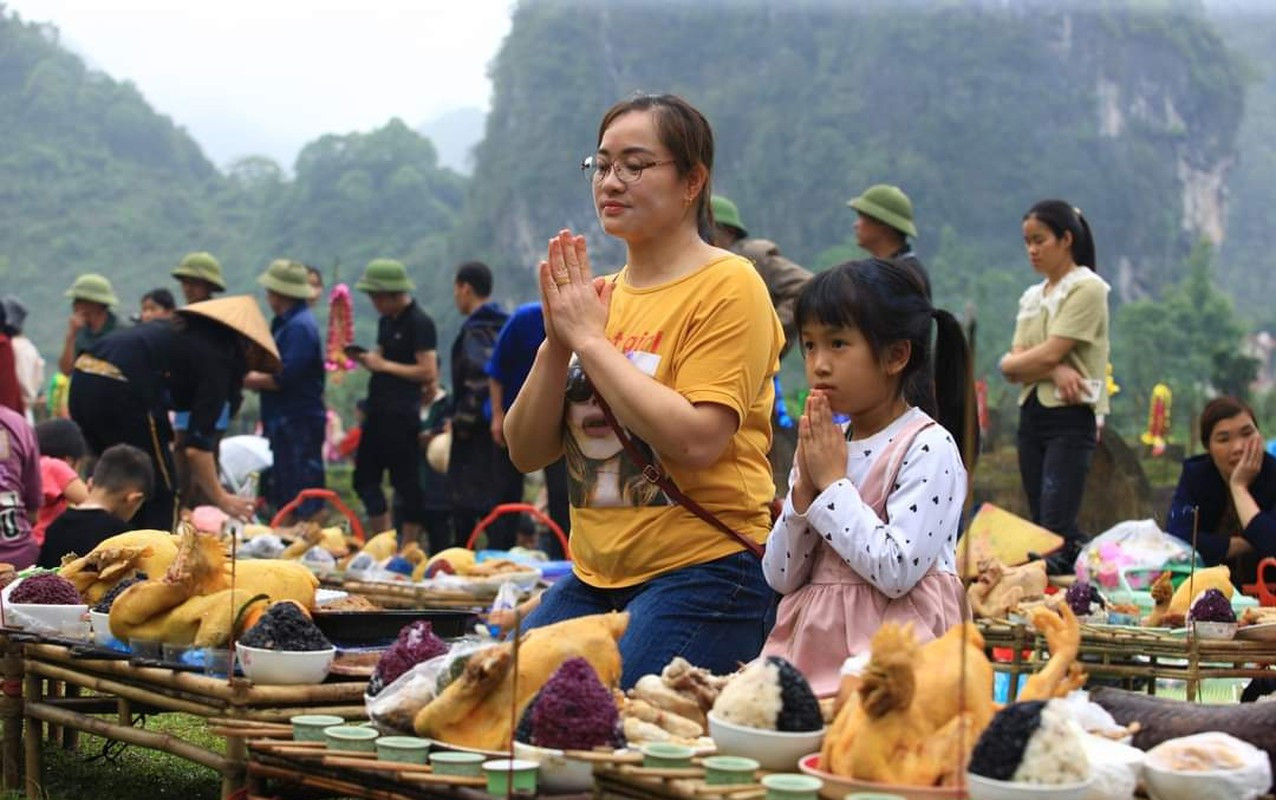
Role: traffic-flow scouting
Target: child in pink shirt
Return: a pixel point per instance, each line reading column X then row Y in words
column 62, row 450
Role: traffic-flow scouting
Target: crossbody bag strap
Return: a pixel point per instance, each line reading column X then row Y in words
column 657, row 477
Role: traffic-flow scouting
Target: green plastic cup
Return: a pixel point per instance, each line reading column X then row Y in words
column 451, row 762
column 510, row 774
column 351, row 738
column 310, row 727
column 729, row 770
column 791, row 786
column 664, row 755
column 403, row 749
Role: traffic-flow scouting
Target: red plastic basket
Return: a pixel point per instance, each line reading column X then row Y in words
column 519, row 508
column 332, row 497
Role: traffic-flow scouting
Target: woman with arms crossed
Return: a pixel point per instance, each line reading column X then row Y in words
column 1059, row 356
column 682, row 344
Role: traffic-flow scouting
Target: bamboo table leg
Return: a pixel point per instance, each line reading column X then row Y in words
column 32, row 686
column 71, row 736
column 11, row 712
column 236, row 766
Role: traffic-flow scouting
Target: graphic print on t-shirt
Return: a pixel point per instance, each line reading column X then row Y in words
column 599, row 472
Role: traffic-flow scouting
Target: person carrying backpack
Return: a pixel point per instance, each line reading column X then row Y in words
column 472, row 461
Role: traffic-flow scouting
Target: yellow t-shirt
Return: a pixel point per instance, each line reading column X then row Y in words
column 714, row 338
column 1076, row 308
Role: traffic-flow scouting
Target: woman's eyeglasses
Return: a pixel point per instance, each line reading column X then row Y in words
column 597, row 169
column 579, row 389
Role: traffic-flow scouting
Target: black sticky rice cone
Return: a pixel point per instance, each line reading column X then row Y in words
column 799, row 709
column 1000, row 749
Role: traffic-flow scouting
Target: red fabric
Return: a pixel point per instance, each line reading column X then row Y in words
column 55, row 475
column 350, row 442
column 10, row 389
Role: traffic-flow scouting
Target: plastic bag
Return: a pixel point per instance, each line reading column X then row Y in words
column 1133, row 551
column 395, row 707
column 319, row 559
column 1247, row 781
column 266, row 545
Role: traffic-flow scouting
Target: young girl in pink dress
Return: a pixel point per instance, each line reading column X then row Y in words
column 869, row 528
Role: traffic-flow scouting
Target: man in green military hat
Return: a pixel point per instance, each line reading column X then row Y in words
column 91, row 317
column 292, row 410
column 405, row 359
column 784, row 280
column 883, row 224
column 200, row 275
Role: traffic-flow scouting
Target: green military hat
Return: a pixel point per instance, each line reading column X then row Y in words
column 201, row 267
column 93, row 288
column 287, row 277
column 725, row 213
column 385, row 275
column 888, row 204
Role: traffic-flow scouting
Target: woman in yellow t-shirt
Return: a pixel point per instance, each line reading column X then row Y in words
column 1059, row 355
column 681, row 344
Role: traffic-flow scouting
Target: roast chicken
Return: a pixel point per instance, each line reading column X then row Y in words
column 917, row 711
column 479, row 707
column 1173, row 604
column 193, row 603
column 117, row 558
column 1000, row 588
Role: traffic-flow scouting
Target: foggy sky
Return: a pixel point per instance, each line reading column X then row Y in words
column 266, row 76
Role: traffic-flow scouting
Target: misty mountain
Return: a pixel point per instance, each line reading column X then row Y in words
column 455, row 134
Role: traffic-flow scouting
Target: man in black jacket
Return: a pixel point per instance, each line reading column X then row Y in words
column 471, row 471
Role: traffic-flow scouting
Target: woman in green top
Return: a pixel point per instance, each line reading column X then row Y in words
column 1059, row 355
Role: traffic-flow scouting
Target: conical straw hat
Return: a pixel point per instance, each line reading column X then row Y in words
column 241, row 314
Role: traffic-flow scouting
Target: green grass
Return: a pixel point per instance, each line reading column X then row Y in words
column 135, row 772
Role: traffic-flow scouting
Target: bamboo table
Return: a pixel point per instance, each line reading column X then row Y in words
column 1111, row 652
column 119, row 687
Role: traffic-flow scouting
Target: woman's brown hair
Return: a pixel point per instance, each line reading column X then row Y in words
column 682, row 129
column 1219, row 409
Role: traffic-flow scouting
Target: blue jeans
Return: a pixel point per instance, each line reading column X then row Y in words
column 715, row 615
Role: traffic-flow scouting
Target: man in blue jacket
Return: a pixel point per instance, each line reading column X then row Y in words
column 292, row 411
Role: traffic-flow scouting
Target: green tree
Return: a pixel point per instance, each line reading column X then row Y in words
column 1187, row 340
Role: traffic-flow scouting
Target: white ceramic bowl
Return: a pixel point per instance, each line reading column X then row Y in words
column 44, row 618
column 558, row 774
column 284, row 667
column 981, row 788
column 774, row 750
column 1215, row 630
column 1218, row 784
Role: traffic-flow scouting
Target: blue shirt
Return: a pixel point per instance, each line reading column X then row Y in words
column 300, row 393
column 515, row 350
column 1203, row 491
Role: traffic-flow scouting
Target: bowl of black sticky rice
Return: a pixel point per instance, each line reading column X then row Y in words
column 285, row 647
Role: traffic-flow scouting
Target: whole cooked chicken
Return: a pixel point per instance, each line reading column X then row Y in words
column 192, row 603
column 478, row 708
column 918, row 709
column 1000, row 588
column 117, row 558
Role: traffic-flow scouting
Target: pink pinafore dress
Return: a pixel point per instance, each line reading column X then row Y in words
column 835, row 615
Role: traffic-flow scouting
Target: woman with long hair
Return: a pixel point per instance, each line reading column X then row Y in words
column 681, row 343
column 1059, row 356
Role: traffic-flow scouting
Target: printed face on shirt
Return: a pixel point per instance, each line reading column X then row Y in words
column 840, row 363
column 600, row 473
column 1048, row 254
column 652, row 203
column 1227, row 442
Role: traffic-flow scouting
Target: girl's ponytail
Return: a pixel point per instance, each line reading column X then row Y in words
column 1083, row 252
column 954, row 384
